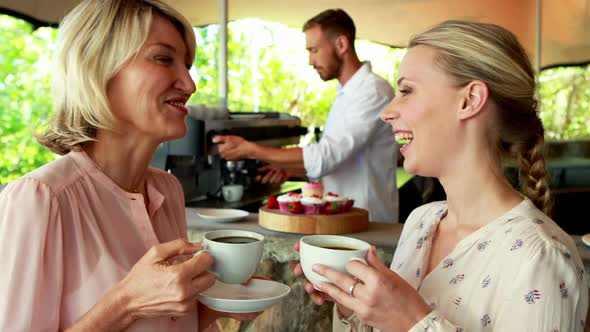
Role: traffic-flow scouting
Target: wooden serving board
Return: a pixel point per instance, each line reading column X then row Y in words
column 355, row 220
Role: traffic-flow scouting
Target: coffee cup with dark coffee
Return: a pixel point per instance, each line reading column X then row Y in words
column 236, row 253
column 334, row 251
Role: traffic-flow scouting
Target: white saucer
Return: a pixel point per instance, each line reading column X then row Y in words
column 222, row 215
column 586, row 239
column 257, row 296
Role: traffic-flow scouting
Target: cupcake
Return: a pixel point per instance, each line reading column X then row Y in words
column 335, row 203
column 313, row 205
column 286, row 199
column 312, row 189
column 349, row 204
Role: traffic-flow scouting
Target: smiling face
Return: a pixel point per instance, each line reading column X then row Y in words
column 148, row 95
column 322, row 53
column 423, row 113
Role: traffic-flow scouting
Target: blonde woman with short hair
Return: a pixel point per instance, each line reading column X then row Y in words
column 96, row 240
column 489, row 258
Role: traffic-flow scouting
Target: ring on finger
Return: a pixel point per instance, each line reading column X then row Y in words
column 351, row 289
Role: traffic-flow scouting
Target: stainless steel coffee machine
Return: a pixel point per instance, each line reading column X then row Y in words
column 195, row 160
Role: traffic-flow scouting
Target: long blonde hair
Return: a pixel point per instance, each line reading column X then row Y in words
column 471, row 51
column 94, row 41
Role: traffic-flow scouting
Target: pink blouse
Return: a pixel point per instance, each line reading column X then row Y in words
column 68, row 234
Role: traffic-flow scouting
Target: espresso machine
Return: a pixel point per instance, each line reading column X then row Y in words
column 195, row 160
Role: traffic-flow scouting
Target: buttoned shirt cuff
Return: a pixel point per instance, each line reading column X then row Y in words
column 433, row 322
column 350, row 324
column 312, row 161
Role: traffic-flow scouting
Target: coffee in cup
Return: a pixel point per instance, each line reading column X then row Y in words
column 236, row 253
column 338, row 248
column 333, row 251
column 235, row 239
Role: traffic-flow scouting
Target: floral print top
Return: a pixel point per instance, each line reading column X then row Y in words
column 520, row 272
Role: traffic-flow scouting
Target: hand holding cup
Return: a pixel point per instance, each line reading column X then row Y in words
column 339, row 252
column 332, row 251
column 236, row 254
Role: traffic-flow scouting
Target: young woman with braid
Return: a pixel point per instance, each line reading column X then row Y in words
column 489, row 258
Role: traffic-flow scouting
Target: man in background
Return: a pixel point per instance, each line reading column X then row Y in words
column 357, row 153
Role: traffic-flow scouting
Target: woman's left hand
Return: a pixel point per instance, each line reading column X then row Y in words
column 208, row 316
column 380, row 298
column 241, row 317
column 245, row 283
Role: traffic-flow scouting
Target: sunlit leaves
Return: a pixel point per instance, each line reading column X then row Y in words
column 25, row 101
column 565, row 102
column 268, row 71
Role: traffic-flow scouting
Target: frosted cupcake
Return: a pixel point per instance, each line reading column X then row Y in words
column 286, row 199
column 335, row 203
column 313, row 205
column 312, row 189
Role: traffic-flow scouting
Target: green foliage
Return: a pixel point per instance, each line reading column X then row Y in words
column 268, row 71
column 565, row 102
column 24, row 96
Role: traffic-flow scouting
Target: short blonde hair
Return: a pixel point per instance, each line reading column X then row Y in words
column 471, row 51
column 94, row 41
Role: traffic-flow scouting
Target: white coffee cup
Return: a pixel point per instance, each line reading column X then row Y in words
column 235, row 262
column 232, row 192
column 323, row 249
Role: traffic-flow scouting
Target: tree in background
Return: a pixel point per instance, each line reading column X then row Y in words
column 268, row 71
column 25, row 100
column 565, row 102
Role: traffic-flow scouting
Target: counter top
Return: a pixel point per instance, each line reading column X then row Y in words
column 250, row 202
column 378, row 234
column 277, row 262
column 583, row 250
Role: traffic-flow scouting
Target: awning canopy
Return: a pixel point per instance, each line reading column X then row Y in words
column 565, row 24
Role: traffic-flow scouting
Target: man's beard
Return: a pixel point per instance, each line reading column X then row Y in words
column 332, row 69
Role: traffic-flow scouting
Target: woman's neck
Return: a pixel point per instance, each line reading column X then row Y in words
column 478, row 193
column 123, row 160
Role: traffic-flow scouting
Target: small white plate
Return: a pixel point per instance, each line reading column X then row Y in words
column 257, row 296
column 586, row 239
column 222, row 215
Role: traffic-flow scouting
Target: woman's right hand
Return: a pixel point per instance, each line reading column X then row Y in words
column 316, row 296
column 155, row 288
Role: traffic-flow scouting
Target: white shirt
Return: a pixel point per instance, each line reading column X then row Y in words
column 357, row 154
column 520, row 272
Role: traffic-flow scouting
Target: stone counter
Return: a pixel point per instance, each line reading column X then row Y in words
column 296, row 312
column 584, row 252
